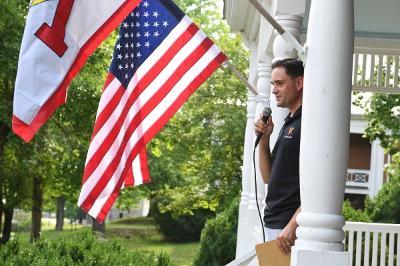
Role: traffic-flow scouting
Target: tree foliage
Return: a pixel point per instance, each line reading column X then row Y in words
column 382, row 112
column 383, row 119
column 195, row 161
column 385, row 206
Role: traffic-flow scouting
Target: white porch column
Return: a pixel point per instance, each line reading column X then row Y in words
column 376, row 168
column 263, row 88
column 282, row 50
column 245, row 241
column 325, row 134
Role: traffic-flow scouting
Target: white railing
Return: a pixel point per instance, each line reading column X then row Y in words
column 373, row 244
column 357, row 181
column 376, row 70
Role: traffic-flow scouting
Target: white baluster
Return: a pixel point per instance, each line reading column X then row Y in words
column 358, row 248
column 350, row 248
column 383, row 248
column 375, row 249
column 366, row 248
column 355, row 69
column 364, row 65
column 391, row 249
column 388, row 70
column 372, row 71
column 379, row 76
column 396, row 73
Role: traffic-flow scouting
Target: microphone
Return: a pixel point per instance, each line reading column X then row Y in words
column 266, row 113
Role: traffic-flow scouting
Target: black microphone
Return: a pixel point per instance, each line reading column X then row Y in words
column 266, row 113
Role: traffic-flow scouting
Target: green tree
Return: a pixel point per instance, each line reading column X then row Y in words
column 195, row 161
column 382, row 112
column 385, row 206
column 11, row 29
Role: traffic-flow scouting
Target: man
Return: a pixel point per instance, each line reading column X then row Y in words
column 280, row 169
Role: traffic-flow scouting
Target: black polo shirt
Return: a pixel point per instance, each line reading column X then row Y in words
column 283, row 197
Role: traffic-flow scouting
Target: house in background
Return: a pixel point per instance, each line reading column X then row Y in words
column 375, row 69
column 365, row 173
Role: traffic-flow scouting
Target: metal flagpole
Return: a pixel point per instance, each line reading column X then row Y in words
column 240, row 76
column 285, row 34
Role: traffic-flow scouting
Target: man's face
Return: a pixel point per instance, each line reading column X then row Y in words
column 286, row 89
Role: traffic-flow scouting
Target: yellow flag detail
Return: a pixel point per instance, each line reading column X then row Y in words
column 35, row 2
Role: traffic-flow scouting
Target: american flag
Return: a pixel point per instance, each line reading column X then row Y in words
column 160, row 59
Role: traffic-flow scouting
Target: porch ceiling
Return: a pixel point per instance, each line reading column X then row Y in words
column 372, row 18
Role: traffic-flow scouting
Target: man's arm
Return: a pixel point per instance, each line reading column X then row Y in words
column 286, row 238
column 265, row 160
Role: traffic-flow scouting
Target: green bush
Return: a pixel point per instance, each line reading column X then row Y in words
column 218, row 239
column 353, row 215
column 184, row 228
column 82, row 250
column 179, row 228
column 385, row 206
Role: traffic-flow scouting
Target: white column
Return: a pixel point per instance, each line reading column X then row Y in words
column 376, row 170
column 244, row 241
column 263, row 88
column 325, row 134
column 249, row 224
column 282, row 50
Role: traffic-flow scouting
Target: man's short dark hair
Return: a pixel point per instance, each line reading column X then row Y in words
column 294, row 67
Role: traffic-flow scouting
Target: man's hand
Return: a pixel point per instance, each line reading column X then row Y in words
column 286, row 238
column 262, row 128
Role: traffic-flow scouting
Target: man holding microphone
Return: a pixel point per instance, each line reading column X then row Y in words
column 280, row 168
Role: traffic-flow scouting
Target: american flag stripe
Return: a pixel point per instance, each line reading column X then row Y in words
column 148, row 105
column 160, row 59
column 139, row 172
column 182, row 30
column 111, row 97
column 103, row 154
column 110, row 138
column 107, row 180
column 174, row 104
column 145, row 74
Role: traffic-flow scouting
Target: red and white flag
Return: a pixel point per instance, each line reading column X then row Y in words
column 160, row 59
column 58, row 38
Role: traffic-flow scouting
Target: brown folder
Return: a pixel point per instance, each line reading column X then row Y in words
column 269, row 254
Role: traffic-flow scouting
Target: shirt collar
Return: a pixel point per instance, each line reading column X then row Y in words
column 295, row 115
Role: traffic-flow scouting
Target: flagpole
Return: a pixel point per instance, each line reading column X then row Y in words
column 289, row 38
column 227, row 63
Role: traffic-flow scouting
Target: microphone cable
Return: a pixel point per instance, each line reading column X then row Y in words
column 266, row 114
column 255, row 192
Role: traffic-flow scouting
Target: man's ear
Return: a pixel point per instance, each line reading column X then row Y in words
column 299, row 83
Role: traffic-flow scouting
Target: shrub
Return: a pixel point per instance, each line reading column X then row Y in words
column 385, row 206
column 218, row 238
column 179, row 227
column 183, row 228
column 353, row 215
column 82, row 250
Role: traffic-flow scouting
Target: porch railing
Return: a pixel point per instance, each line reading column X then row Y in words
column 369, row 244
column 373, row 244
column 357, row 181
column 376, row 70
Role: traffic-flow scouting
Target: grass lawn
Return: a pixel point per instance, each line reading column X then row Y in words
column 134, row 234
column 142, row 234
